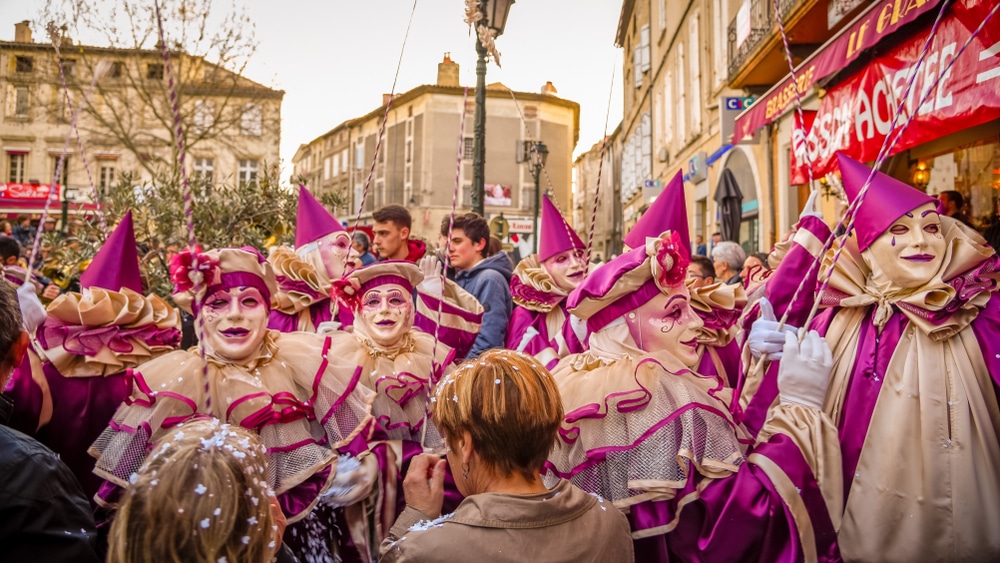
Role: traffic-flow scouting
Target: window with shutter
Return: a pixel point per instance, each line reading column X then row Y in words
column 644, row 46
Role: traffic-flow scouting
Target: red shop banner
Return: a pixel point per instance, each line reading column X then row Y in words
column 880, row 21
column 29, row 191
column 854, row 117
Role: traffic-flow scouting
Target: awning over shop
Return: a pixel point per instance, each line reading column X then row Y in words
column 854, row 117
column 868, row 29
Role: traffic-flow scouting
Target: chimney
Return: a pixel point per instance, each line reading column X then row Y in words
column 447, row 72
column 386, row 98
column 22, row 32
column 549, row 88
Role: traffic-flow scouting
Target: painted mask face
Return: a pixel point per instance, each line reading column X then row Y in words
column 910, row 252
column 567, row 269
column 387, row 313
column 235, row 323
column 335, row 251
column 667, row 322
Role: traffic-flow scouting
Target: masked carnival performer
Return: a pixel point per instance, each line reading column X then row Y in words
column 913, row 318
column 718, row 304
column 308, row 406
column 402, row 365
column 66, row 394
column 539, row 325
column 322, row 253
column 657, row 439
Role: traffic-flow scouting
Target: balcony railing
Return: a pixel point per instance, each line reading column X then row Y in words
column 757, row 26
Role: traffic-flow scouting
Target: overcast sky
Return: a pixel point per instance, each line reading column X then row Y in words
column 335, row 58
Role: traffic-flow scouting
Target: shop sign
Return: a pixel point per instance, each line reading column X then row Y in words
column 855, row 116
column 521, row 226
column 880, row 21
column 42, row 192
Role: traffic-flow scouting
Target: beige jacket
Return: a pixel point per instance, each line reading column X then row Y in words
column 564, row 524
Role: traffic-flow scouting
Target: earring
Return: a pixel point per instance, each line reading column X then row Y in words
column 465, row 471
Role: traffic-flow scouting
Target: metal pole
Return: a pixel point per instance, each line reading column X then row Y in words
column 537, row 170
column 479, row 151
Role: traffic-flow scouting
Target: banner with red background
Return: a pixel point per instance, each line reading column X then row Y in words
column 855, row 115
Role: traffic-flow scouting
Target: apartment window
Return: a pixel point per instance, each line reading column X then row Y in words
column 154, row 71
column 469, row 148
column 343, row 160
column 668, row 108
column 359, row 156
column 204, row 169
column 251, row 120
column 644, row 46
column 336, row 165
column 409, row 126
column 409, row 151
column 720, row 42
column 326, row 168
column 15, row 172
column 21, row 101
column 69, row 67
column 204, row 115
column 247, row 172
column 681, row 126
column 117, row 70
column 106, row 178
column 62, row 178
column 695, row 58
column 24, row 64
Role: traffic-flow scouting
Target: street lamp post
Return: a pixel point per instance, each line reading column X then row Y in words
column 494, row 18
column 539, row 153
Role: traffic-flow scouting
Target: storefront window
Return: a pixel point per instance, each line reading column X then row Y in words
column 974, row 172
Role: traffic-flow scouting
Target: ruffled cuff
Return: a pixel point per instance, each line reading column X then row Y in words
column 299, row 284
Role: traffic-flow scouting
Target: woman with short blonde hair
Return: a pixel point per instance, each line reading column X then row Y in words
column 500, row 414
column 202, row 495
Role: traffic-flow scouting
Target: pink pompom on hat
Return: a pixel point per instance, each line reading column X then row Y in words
column 887, row 199
column 668, row 211
column 116, row 264
column 313, row 221
column 557, row 236
column 630, row 281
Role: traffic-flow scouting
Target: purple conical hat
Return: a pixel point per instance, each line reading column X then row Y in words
column 668, row 212
column 557, row 236
column 313, row 221
column 887, row 200
column 116, row 264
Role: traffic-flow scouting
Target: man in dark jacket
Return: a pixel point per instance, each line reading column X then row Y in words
column 43, row 514
column 487, row 279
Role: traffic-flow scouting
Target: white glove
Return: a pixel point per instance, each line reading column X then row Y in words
column 804, row 373
column 32, row 310
column 430, row 267
column 810, row 207
column 765, row 339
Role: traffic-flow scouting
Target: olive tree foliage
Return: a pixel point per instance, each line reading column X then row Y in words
column 210, row 45
column 260, row 215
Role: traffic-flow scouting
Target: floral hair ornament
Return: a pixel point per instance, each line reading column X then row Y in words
column 669, row 263
column 347, row 291
column 190, row 268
